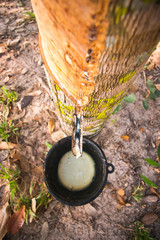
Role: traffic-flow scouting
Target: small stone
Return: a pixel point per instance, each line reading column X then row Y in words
column 26, row 43
column 150, row 199
column 149, row 218
column 24, row 71
column 26, row 101
column 58, row 135
column 2, row 49
column 12, row 43
column 40, row 62
column 19, row 21
column 128, row 205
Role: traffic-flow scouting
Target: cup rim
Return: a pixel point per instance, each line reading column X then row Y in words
column 90, row 199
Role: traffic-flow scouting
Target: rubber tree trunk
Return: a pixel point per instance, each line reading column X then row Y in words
column 93, row 50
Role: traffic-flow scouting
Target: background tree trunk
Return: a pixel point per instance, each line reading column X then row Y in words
column 93, row 51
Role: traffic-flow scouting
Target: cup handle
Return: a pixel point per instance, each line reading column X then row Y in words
column 110, row 168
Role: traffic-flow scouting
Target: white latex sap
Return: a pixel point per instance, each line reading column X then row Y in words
column 76, row 173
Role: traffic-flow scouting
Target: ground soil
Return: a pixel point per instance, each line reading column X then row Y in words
column 107, row 217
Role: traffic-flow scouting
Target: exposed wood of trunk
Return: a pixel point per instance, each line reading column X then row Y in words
column 67, row 30
column 93, row 51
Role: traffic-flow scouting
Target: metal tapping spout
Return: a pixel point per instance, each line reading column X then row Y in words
column 77, row 134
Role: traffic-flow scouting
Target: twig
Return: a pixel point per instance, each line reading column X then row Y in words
column 44, row 85
column 144, row 75
column 128, row 229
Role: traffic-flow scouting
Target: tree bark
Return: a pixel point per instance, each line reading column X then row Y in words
column 93, row 51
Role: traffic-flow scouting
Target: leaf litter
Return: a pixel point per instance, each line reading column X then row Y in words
column 5, row 213
column 16, row 221
column 6, row 146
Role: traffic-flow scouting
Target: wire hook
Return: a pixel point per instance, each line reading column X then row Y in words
column 77, row 135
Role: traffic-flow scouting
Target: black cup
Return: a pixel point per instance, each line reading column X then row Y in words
column 84, row 196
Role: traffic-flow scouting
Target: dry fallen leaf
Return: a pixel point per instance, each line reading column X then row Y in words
column 19, row 116
column 149, row 218
column 120, row 203
column 24, row 164
column 2, row 49
column 119, row 206
column 121, row 192
column 38, row 169
column 15, row 155
column 5, row 146
column 155, row 57
column 6, row 113
column 16, row 221
column 151, row 66
column 90, row 210
column 157, row 86
column 5, row 214
column 51, row 125
column 34, row 205
column 157, row 142
column 125, row 137
column 4, row 192
column 58, row 135
column 12, row 43
column 44, row 231
column 36, row 93
column 154, row 191
column 141, row 129
column 120, row 200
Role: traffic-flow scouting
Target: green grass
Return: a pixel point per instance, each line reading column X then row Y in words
column 19, row 198
column 154, row 164
column 13, row 177
column 140, row 232
column 42, row 198
column 29, row 16
column 154, row 93
column 7, row 129
column 27, row 201
column 138, row 193
column 7, row 97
